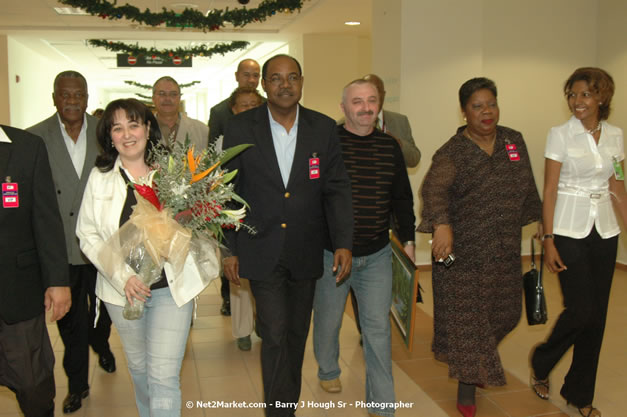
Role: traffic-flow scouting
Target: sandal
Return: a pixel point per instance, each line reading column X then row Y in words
column 541, row 388
column 589, row 411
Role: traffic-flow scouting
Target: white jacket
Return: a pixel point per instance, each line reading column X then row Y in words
column 99, row 218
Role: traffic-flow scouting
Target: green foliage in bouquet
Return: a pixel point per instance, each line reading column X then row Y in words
column 198, row 190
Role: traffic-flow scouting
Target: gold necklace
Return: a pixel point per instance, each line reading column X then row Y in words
column 595, row 130
column 482, row 145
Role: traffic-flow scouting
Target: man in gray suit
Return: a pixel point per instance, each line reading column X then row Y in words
column 70, row 139
column 396, row 125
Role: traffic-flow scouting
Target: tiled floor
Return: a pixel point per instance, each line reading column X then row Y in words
column 215, row 370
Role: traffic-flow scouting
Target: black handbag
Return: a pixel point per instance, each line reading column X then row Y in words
column 535, row 302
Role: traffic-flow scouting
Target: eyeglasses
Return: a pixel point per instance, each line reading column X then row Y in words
column 171, row 94
column 277, row 80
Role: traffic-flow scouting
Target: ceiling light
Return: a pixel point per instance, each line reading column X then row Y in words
column 73, row 11
column 352, row 23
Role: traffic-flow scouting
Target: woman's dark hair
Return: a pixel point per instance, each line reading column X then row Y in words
column 599, row 82
column 241, row 91
column 475, row 84
column 136, row 111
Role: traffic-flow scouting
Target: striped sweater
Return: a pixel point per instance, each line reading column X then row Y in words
column 380, row 187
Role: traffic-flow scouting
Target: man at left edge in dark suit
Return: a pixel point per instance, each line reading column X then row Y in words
column 297, row 187
column 70, row 139
column 33, row 271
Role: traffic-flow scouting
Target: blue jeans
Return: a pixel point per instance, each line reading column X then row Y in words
column 154, row 346
column 371, row 278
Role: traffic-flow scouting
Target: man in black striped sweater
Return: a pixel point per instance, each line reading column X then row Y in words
column 381, row 189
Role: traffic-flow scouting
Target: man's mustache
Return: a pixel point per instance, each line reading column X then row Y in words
column 365, row 113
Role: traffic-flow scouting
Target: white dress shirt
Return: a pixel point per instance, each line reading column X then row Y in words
column 77, row 150
column 284, row 145
column 583, row 197
column 3, row 137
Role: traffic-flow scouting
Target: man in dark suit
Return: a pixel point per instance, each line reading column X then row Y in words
column 70, row 138
column 33, row 271
column 247, row 75
column 297, row 187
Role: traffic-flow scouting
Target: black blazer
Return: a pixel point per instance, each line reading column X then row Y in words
column 296, row 217
column 32, row 247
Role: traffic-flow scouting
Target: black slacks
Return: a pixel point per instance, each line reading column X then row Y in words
column 586, row 290
column 98, row 336
column 74, row 331
column 26, row 365
column 284, row 303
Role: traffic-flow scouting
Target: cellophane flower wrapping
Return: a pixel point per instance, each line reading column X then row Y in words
column 183, row 213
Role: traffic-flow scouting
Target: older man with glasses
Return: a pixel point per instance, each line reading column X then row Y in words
column 175, row 126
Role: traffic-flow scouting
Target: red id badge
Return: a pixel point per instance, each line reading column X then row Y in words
column 510, row 147
column 314, row 168
column 10, row 198
column 513, row 156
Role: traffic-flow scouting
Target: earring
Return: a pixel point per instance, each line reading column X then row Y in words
column 112, row 145
column 465, row 119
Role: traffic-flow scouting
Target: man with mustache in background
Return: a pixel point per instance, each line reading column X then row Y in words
column 380, row 191
column 70, row 138
column 174, row 124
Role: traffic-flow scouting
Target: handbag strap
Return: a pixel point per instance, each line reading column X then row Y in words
column 533, row 255
column 541, row 264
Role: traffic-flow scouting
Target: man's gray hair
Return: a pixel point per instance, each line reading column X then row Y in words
column 68, row 74
column 358, row 81
column 165, row 78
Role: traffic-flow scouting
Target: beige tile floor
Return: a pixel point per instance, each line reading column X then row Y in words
column 215, row 370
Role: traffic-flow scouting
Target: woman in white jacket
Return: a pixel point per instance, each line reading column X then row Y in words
column 154, row 344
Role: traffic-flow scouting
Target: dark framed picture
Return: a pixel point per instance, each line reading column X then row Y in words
column 404, row 291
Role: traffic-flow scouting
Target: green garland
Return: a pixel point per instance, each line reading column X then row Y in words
column 136, row 50
column 214, row 20
column 149, row 87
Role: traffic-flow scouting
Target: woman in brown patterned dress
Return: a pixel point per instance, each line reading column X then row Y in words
column 477, row 195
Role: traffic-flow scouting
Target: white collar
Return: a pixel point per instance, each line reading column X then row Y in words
column 3, row 137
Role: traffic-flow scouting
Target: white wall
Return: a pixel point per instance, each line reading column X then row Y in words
column 31, row 98
column 527, row 48
column 5, row 113
column 329, row 63
column 612, row 56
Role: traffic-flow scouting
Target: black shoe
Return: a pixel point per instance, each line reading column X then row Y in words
column 74, row 401
column 225, row 310
column 107, row 362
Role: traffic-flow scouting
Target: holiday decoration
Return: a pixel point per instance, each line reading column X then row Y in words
column 200, row 50
column 189, row 18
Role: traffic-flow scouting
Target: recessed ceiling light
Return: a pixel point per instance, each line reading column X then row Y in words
column 73, row 11
column 184, row 5
column 352, row 23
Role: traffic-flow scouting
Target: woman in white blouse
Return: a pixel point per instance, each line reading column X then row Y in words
column 155, row 343
column 583, row 192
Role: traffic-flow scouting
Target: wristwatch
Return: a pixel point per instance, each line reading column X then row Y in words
column 548, row 236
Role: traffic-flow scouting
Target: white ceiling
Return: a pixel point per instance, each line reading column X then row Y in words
column 35, row 24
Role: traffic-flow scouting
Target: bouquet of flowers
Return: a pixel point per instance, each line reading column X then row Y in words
column 180, row 214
